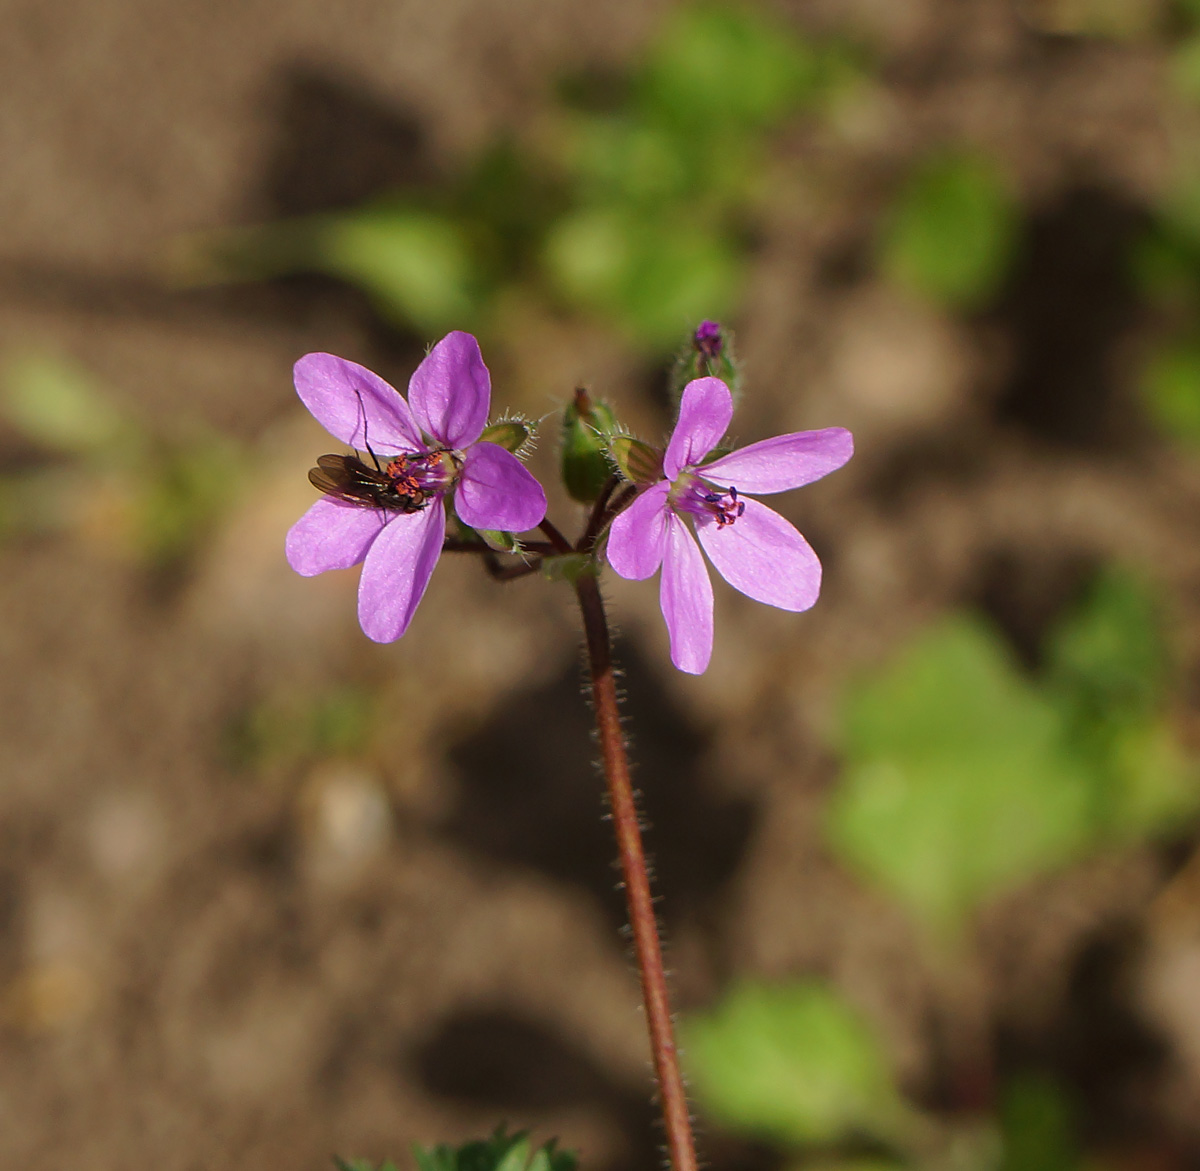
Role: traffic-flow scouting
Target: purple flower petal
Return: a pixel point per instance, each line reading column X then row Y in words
column 764, row 556
column 705, row 412
column 332, row 535
column 355, row 405
column 686, row 597
column 637, row 538
column 451, row 391
column 397, row 570
column 787, row 461
column 496, row 491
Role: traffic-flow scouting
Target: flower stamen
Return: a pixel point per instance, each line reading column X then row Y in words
column 697, row 496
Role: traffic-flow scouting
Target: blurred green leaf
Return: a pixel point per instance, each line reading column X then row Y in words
column 718, row 65
column 792, row 1063
column 1166, row 266
column 285, row 729
column 1170, row 384
column 362, row 1165
column 957, row 781
column 618, row 158
column 181, row 491
column 964, row 778
column 1037, row 1127
column 1153, row 786
column 503, row 203
column 1184, row 71
column 1108, row 656
column 952, row 232
column 39, row 502
column 681, row 274
column 1107, row 662
column 1180, row 213
column 589, row 256
column 417, row 265
column 656, row 276
column 60, row 405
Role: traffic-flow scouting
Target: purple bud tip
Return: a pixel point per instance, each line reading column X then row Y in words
column 707, row 339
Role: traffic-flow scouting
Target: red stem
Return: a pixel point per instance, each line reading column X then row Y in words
column 672, row 1095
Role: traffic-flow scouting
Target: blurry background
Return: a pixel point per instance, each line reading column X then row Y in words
column 268, row 891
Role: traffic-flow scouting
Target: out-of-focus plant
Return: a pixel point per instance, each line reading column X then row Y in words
column 957, row 780
column 1167, row 266
column 965, row 778
column 102, row 472
column 795, row 1064
column 500, row 1152
column 952, row 231
column 632, row 203
column 1166, row 259
column 290, row 728
column 1037, row 1125
column 1117, row 20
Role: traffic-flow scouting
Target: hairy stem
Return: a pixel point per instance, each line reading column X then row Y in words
column 672, row 1096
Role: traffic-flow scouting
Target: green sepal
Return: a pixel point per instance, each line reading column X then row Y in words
column 568, row 566
column 587, row 424
column 494, row 539
column 637, row 461
column 499, row 541
column 511, row 434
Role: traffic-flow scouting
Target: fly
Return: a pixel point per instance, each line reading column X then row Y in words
column 396, row 487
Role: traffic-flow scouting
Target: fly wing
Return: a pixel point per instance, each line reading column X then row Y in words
column 331, row 483
column 336, row 475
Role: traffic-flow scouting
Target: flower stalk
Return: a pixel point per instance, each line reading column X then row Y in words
column 647, row 946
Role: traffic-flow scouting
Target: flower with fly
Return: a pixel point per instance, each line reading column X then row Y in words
column 390, row 515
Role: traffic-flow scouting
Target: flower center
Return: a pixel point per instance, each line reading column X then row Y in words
column 417, row 476
column 691, row 494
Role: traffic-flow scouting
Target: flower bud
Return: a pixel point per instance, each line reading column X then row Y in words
column 708, row 353
column 587, row 426
column 636, row 460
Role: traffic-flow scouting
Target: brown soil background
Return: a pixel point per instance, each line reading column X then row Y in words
column 202, row 967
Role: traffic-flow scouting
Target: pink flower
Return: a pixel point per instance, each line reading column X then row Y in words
column 752, row 547
column 393, row 518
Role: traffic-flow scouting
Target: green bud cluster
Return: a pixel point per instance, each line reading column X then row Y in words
column 594, row 444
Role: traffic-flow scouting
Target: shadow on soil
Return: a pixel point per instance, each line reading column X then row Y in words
column 530, row 796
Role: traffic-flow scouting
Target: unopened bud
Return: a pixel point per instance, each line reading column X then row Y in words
column 708, row 353
column 587, row 426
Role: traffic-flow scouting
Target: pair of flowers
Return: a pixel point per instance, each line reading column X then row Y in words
column 395, row 525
